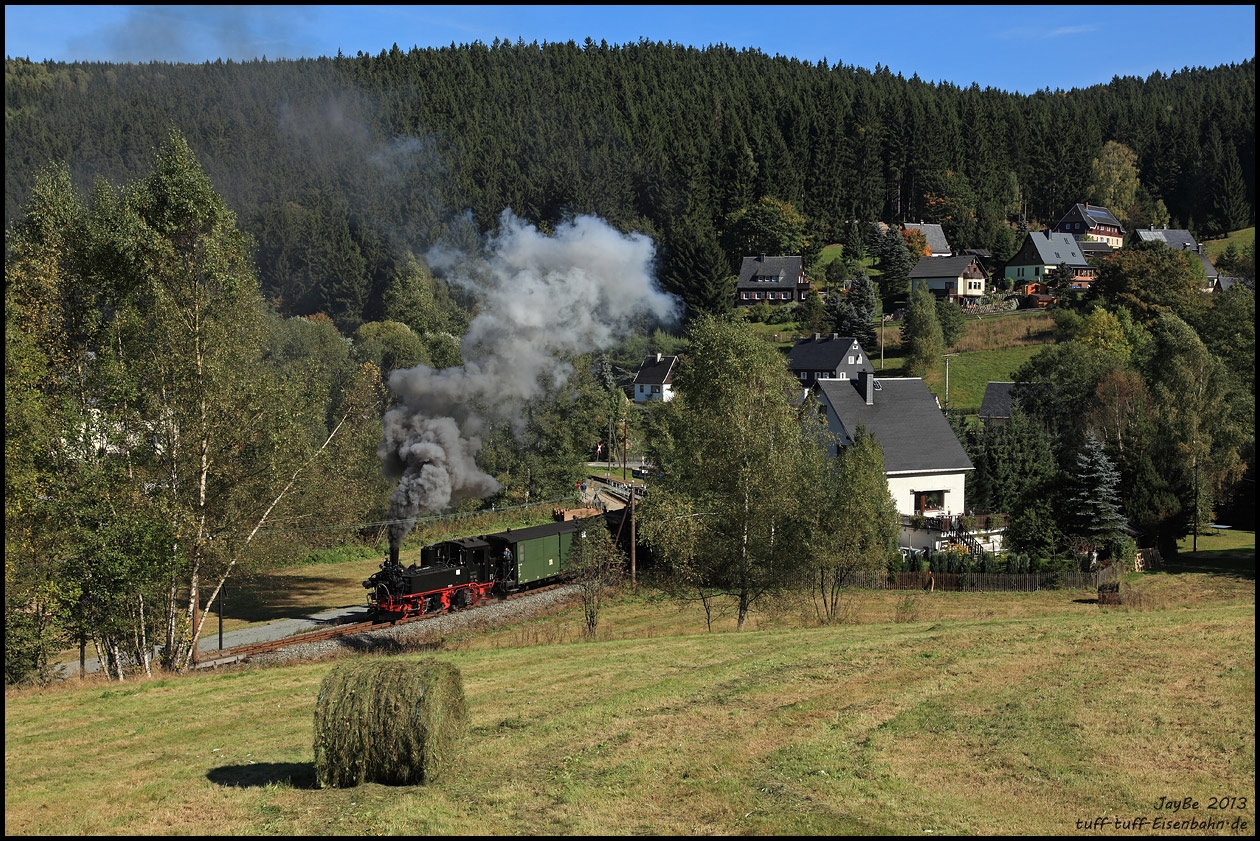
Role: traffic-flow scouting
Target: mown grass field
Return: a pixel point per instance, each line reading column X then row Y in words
column 924, row 713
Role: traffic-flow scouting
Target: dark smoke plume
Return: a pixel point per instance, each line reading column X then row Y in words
column 541, row 300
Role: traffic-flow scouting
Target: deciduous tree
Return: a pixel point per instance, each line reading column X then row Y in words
column 727, row 516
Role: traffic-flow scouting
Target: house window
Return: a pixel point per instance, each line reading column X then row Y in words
column 804, row 376
column 656, row 389
column 826, row 375
column 925, row 501
column 844, row 375
column 640, row 389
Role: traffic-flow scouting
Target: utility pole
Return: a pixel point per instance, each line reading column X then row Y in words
column 625, row 445
column 1196, row 496
column 883, row 322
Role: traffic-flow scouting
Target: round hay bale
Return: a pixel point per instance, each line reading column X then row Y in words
column 388, row 721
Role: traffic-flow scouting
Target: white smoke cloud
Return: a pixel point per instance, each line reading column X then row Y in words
column 541, row 300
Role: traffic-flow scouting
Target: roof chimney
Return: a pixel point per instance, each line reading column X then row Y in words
column 817, row 336
column 658, row 359
column 866, row 387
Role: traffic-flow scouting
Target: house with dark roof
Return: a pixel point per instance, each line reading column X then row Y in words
column 1181, row 241
column 958, row 279
column 1224, row 282
column 1172, row 237
column 935, row 236
column 1040, row 256
column 925, row 463
column 1090, row 220
column 827, row 357
column 1092, row 248
column 774, row 280
column 655, row 378
column 995, row 409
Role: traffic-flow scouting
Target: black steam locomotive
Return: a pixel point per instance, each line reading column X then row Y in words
column 461, row 573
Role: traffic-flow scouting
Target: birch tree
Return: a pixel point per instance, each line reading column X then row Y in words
column 727, row 514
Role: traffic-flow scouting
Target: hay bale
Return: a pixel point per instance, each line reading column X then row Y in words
column 388, row 721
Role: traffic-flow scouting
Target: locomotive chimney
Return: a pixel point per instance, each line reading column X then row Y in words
column 393, row 552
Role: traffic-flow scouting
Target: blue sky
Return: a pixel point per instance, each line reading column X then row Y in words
column 1015, row 48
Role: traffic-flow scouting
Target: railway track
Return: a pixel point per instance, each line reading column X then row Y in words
column 244, row 652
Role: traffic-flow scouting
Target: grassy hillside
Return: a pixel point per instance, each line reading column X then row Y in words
column 1240, row 239
column 942, row 713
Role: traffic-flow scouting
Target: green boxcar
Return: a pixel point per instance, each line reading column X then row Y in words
column 538, row 552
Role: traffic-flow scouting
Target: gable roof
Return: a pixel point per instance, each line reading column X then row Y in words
column 906, row 420
column 656, row 370
column 1172, row 237
column 997, row 400
column 935, row 236
column 951, row 267
column 1092, row 215
column 826, row 353
column 765, row 272
column 1053, row 249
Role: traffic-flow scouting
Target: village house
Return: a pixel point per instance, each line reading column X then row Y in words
column 655, row 379
column 774, row 280
column 958, row 279
column 827, row 357
column 1040, row 256
column 924, row 462
column 1182, row 240
column 1090, row 220
column 938, row 245
column 995, row 408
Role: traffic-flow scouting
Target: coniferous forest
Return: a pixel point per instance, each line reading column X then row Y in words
column 339, row 168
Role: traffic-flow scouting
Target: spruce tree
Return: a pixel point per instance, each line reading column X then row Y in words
column 853, row 311
column 1093, row 512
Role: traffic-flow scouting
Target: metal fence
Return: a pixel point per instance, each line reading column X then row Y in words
column 973, row 582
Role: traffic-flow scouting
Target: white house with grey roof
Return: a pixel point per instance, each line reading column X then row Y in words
column 654, row 380
column 925, row 463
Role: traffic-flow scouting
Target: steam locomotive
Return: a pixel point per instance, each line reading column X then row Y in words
column 461, row 573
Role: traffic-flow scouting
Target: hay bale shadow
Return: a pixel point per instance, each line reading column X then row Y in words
column 300, row 775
